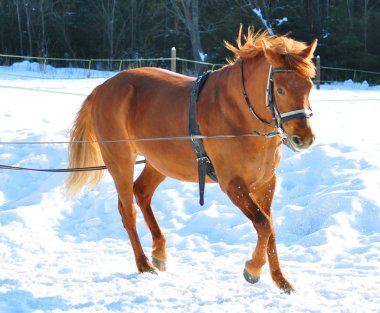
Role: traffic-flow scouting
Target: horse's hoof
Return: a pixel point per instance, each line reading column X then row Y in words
column 288, row 289
column 147, row 267
column 152, row 271
column 252, row 279
column 149, row 270
column 160, row 264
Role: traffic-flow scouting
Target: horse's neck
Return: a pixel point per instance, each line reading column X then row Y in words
column 230, row 88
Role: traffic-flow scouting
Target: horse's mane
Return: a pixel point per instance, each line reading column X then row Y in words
column 291, row 51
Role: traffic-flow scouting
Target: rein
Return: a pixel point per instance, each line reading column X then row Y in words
column 103, row 167
column 61, row 170
column 204, row 163
column 53, row 170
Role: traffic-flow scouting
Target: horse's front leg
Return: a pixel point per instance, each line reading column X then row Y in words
column 275, row 269
column 240, row 195
column 264, row 197
column 256, row 206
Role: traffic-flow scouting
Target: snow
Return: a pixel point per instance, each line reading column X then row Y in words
column 325, row 34
column 281, row 21
column 350, row 85
column 33, row 70
column 202, row 55
column 62, row 256
column 263, row 20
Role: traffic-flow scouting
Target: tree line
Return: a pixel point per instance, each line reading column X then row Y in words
column 347, row 30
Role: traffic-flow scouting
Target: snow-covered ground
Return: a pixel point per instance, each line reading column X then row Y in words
column 61, row 256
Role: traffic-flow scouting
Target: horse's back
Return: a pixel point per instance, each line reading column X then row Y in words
column 147, row 83
column 148, row 103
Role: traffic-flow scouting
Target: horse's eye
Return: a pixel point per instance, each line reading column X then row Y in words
column 281, row 91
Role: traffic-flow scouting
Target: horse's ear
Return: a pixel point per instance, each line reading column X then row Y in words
column 271, row 56
column 309, row 51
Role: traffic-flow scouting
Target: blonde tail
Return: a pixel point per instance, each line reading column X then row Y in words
column 83, row 154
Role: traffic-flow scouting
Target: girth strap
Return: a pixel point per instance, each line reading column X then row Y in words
column 204, row 164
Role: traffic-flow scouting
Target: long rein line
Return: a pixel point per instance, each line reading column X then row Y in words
column 278, row 132
column 147, row 139
column 103, row 167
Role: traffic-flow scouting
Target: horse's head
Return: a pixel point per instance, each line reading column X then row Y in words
column 288, row 79
column 289, row 85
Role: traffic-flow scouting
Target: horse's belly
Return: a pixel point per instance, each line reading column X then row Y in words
column 176, row 160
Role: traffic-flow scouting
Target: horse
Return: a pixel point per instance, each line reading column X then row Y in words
column 263, row 91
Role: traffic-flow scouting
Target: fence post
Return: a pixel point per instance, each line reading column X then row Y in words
column 318, row 78
column 44, row 66
column 173, row 62
column 89, row 69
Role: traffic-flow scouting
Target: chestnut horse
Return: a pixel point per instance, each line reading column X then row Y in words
column 267, row 98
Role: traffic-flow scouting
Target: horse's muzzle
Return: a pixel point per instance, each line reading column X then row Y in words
column 298, row 143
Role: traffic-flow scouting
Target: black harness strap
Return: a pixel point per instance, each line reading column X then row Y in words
column 249, row 102
column 204, row 164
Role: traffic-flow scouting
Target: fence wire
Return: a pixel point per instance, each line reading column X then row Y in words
column 40, row 67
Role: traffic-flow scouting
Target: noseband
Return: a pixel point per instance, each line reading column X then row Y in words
column 278, row 118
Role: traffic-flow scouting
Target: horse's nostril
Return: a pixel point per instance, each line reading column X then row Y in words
column 297, row 140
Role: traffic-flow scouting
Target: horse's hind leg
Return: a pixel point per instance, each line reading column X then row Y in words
column 144, row 188
column 121, row 169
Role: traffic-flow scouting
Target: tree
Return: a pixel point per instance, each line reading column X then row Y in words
column 347, row 30
column 260, row 10
column 64, row 15
column 187, row 12
column 17, row 5
column 43, row 12
column 28, row 8
column 368, row 7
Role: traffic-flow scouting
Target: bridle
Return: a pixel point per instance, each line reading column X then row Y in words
column 278, row 118
column 205, row 166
